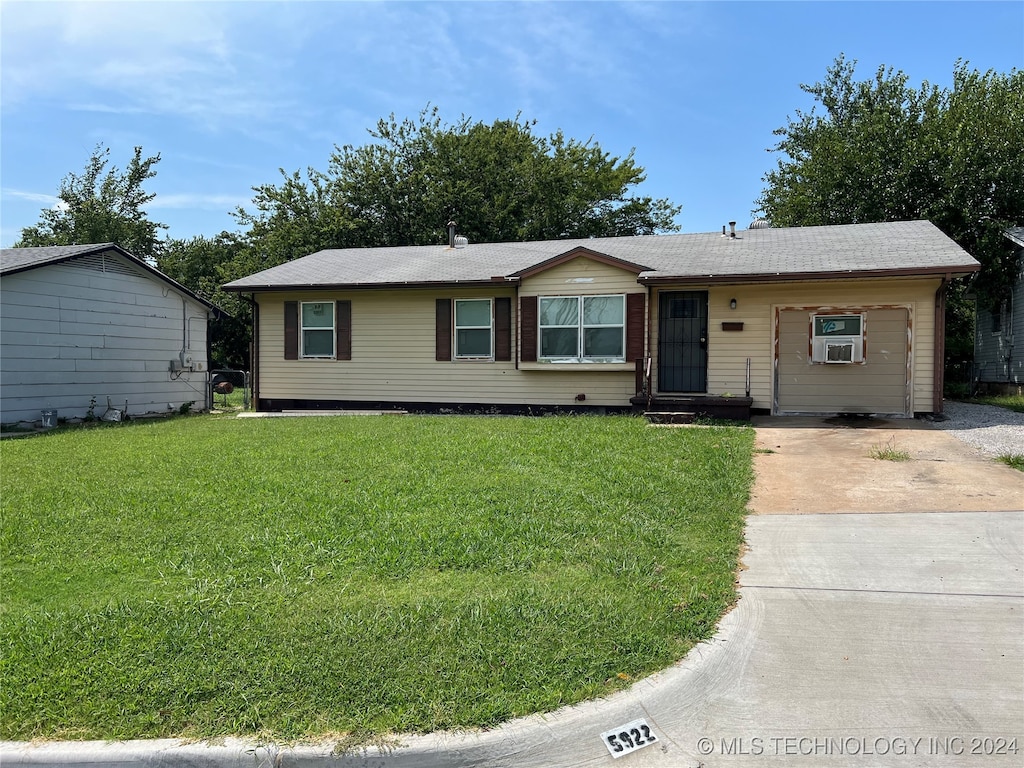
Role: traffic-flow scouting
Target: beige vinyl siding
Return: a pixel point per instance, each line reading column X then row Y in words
column 756, row 306
column 878, row 385
column 393, row 346
column 581, row 276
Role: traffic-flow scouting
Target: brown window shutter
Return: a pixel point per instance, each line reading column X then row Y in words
column 528, row 329
column 443, row 329
column 291, row 330
column 343, row 329
column 634, row 326
column 503, row 328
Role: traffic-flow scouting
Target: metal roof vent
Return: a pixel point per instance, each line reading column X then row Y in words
column 760, row 224
column 455, row 241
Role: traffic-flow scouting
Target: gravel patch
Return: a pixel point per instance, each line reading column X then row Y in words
column 995, row 431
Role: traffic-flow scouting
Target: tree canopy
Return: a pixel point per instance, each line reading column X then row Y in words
column 101, row 206
column 500, row 182
column 204, row 264
column 882, row 150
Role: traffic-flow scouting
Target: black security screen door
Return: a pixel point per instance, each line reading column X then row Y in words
column 683, row 342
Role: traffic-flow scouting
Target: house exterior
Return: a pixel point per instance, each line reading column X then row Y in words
column 998, row 366
column 84, row 325
column 813, row 320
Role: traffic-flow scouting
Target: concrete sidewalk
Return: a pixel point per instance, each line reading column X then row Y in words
column 881, row 640
column 875, row 638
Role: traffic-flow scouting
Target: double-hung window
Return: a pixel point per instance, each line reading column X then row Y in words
column 317, row 328
column 473, row 329
column 583, row 328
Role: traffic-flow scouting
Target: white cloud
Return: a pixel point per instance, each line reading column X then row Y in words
column 132, row 58
column 34, row 197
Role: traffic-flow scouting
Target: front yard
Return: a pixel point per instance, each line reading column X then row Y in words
column 293, row 578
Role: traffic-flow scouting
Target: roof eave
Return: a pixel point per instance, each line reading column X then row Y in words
column 579, row 251
column 99, row 248
column 280, row 287
column 105, row 248
column 1015, row 235
column 960, row 270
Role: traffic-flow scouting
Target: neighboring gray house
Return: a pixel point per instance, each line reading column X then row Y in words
column 81, row 324
column 998, row 364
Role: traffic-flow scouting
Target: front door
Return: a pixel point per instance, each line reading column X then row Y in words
column 683, row 341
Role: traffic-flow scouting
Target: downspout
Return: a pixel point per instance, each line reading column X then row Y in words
column 649, row 357
column 939, row 362
column 1009, row 339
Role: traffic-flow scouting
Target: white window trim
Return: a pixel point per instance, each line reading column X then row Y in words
column 333, row 329
column 581, row 330
column 819, row 342
column 456, row 328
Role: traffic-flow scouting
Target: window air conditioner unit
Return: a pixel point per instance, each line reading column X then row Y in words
column 838, row 350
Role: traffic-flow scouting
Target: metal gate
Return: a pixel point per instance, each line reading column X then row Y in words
column 683, row 341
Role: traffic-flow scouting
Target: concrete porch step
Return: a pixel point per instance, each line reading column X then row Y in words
column 671, row 417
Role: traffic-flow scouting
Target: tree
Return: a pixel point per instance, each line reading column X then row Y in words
column 203, row 265
column 101, row 206
column 499, row 181
column 884, row 151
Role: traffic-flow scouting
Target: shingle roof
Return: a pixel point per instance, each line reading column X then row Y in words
column 913, row 247
column 1016, row 234
column 19, row 259
column 14, row 260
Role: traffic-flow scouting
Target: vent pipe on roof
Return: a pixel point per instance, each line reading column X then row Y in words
column 451, row 234
column 732, row 230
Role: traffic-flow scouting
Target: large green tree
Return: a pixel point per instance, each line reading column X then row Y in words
column 204, row 264
column 101, row 205
column 500, row 182
column 882, row 150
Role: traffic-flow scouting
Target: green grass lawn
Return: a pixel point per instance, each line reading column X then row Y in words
column 1012, row 402
column 292, row 578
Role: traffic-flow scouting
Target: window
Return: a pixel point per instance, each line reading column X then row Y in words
column 837, row 325
column 837, row 339
column 997, row 318
column 473, row 329
column 317, row 328
column 583, row 328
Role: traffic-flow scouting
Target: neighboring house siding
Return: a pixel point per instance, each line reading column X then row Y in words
column 728, row 351
column 999, row 355
column 96, row 327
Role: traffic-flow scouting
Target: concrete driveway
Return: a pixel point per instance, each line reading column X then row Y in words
column 815, row 465
column 882, row 624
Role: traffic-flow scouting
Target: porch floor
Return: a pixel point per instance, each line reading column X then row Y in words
column 684, row 409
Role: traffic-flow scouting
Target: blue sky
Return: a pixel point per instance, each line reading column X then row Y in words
column 228, row 93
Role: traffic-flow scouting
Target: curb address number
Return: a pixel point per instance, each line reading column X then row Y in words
column 628, row 738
